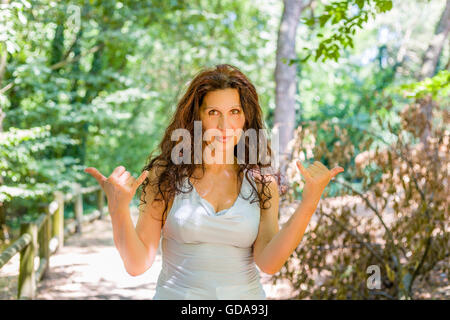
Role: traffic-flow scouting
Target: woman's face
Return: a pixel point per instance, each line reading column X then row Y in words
column 222, row 110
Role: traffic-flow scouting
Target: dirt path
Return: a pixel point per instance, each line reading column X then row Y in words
column 89, row 267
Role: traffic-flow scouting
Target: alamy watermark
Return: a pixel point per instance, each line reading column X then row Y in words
column 374, row 281
column 218, row 151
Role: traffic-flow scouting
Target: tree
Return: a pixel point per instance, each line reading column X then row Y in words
column 396, row 220
column 431, row 59
column 345, row 17
column 286, row 76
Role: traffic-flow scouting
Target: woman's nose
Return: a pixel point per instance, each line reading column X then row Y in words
column 224, row 124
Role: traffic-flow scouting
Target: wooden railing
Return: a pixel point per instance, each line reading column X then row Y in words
column 44, row 236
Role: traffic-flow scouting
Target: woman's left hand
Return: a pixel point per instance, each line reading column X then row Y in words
column 317, row 176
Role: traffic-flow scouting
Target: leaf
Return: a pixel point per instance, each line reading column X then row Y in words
column 406, row 281
column 323, row 19
column 319, row 51
column 390, row 273
column 292, row 61
column 305, row 58
column 384, row 5
column 360, row 4
column 309, row 22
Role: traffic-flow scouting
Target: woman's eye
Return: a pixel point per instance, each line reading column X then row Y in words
column 234, row 111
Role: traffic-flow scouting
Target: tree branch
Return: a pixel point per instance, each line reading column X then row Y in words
column 388, row 231
column 62, row 63
column 7, row 87
column 422, row 260
column 356, row 236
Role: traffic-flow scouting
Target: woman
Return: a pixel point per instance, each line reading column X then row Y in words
column 216, row 210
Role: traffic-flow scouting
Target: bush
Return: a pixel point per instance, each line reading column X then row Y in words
column 395, row 221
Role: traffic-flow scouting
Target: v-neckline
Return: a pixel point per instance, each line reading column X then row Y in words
column 211, row 206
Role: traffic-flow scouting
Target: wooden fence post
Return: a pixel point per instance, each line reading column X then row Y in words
column 27, row 277
column 4, row 235
column 44, row 239
column 100, row 203
column 58, row 219
column 78, row 208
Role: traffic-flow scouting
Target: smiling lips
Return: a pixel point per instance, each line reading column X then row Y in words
column 223, row 138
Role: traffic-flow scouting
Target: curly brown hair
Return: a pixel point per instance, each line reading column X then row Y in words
column 170, row 175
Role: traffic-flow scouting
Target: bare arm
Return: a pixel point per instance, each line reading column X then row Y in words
column 137, row 246
column 279, row 248
column 132, row 250
column 148, row 226
column 272, row 247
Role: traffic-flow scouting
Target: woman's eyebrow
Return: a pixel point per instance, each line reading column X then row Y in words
column 212, row 107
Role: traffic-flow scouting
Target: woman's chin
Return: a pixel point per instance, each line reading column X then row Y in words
column 223, row 146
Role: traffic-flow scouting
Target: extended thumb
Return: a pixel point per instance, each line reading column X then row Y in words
column 300, row 166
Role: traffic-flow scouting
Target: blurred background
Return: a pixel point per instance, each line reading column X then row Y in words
column 363, row 84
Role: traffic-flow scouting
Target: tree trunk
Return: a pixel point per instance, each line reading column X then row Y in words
column 4, row 236
column 434, row 50
column 429, row 65
column 286, row 77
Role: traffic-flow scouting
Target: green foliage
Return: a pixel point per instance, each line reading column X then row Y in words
column 100, row 80
column 18, row 154
column 93, row 83
column 437, row 86
column 344, row 18
column 395, row 218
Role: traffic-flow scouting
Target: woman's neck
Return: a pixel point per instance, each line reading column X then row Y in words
column 218, row 168
column 220, row 161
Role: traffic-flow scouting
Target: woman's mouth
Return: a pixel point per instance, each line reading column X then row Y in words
column 223, row 138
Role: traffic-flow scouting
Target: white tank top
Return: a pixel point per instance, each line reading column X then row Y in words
column 208, row 255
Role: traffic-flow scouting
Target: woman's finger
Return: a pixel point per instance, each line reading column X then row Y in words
column 303, row 171
column 320, row 165
column 130, row 180
column 314, row 169
column 124, row 176
column 96, row 174
column 141, row 179
column 336, row 170
column 117, row 172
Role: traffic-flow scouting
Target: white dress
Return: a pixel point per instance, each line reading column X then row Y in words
column 208, row 255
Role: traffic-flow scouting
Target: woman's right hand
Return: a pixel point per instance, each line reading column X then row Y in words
column 120, row 187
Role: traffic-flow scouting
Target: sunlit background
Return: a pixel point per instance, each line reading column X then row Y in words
column 363, row 84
